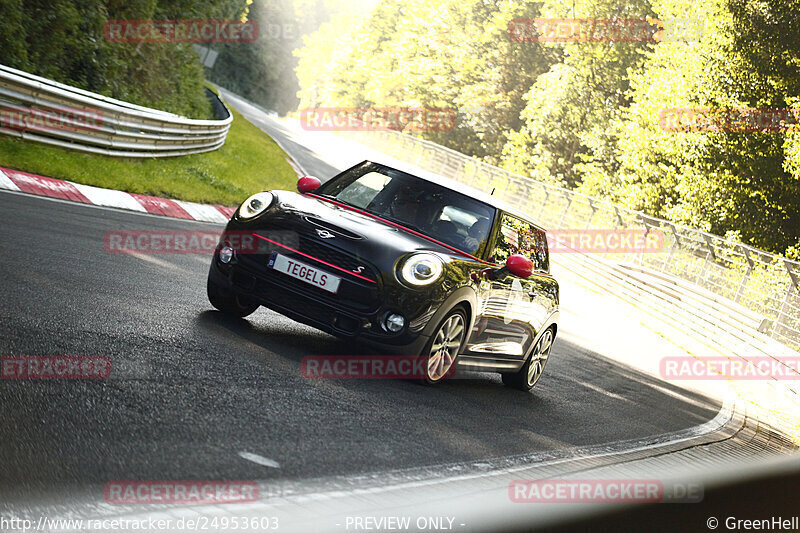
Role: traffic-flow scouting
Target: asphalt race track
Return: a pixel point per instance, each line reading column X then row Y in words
column 191, row 389
column 311, row 162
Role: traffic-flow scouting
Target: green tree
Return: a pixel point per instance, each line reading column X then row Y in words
column 446, row 54
column 264, row 71
column 740, row 181
column 64, row 40
column 568, row 132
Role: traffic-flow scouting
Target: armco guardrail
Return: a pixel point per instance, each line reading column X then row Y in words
column 702, row 325
column 45, row 111
column 765, row 284
column 712, row 297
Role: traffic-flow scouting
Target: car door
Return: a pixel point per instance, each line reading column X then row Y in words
column 509, row 314
column 540, row 290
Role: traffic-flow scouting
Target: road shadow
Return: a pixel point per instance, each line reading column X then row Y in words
column 237, row 386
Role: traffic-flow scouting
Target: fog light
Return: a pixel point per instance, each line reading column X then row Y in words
column 394, row 322
column 226, row 254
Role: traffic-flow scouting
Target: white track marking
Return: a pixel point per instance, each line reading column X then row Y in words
column 209, row 213
column 109, row 197
column 155, row 261
column 6, row 183
column 263, row 461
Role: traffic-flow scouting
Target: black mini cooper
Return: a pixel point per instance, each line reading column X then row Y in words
column 407, row 264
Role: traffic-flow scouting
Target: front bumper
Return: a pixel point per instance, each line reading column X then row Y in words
column 312, row 306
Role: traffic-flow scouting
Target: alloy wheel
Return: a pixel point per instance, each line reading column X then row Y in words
column 445, row 346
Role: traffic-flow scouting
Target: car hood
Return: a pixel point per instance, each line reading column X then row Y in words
column 346, row 228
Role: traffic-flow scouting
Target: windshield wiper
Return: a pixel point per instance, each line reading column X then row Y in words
column 334, row 198
column 402, row 223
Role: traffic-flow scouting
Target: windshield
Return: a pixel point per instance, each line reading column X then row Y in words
column 438, row 212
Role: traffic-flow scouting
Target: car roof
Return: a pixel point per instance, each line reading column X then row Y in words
column 455, row 186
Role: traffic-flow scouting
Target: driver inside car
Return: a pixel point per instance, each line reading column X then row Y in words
column 406, row 207
column 476, row 234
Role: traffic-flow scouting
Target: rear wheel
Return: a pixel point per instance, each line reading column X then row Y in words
column 533, row 368
column 441, row 352
column 229, row 303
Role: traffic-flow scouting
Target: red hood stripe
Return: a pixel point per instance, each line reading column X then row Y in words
column 400, row 226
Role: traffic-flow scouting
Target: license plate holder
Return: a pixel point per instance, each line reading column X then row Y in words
column 304, row 272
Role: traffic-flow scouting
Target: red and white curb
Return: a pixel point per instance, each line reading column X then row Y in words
column 14, row 180
column 295, row 166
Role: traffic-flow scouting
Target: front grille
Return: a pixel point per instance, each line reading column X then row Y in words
column 308, row 307
column 335, row 257
column 354, row 293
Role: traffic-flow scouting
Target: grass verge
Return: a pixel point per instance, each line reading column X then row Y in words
column 249, row 162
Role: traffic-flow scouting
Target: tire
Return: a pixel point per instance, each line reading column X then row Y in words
column 440, row 354
column 229, row 303
column 533, row 368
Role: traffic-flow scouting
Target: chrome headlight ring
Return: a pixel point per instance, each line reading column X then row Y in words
column 421, row 269
column 255, row 205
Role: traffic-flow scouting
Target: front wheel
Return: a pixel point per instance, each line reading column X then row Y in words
column 229, row 303
column 441, row 352
column 531, row 371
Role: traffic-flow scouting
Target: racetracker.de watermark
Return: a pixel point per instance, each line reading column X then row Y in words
column 599, row 30
column 173, row 242
column 712, row 368
column 192, row 242
column 603, row 491
column 180, row 31
column 366, row 367
column 733, row 120
column 180, row 492
column 49, row 118
column 620, row 241
column 55, row 367
column 378, row 118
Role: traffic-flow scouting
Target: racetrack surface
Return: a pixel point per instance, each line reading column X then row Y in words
column 191, row 388
column 311, row 163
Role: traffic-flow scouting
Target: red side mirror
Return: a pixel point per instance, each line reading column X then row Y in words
column 519, row 266
column 307, row 184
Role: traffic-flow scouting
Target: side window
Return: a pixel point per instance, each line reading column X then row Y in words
column 507, row 240
column 534, row 246
column 519, row 237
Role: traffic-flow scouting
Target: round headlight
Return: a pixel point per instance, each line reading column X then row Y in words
column 255, row 205
column 421, row 269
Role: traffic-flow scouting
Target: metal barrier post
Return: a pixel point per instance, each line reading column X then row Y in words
column 566, row 209
column 746, row 275
column 785, row 304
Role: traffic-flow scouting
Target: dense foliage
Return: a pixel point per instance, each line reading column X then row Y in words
column 590, row 115
column 64, row 40
column 264, row 71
